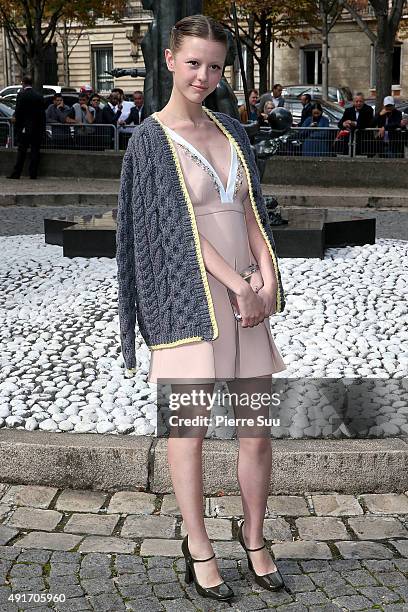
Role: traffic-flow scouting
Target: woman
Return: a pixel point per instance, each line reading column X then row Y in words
column 191, row 218
column 317, row 143
column 265, row 112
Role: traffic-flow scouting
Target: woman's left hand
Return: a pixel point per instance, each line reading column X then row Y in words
column 268, row 295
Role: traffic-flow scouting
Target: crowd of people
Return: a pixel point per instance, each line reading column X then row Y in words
column 88, row 118
column 356, row 125
column 87, row 110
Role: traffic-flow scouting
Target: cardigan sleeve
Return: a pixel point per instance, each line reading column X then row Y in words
column 125, row 258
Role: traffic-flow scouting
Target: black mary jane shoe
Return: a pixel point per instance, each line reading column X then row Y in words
column 271, row 581
column 220, row 592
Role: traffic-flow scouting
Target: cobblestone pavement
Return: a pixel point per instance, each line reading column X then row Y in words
column 89, row 550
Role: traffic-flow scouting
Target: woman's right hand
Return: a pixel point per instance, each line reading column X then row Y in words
column 251, row 307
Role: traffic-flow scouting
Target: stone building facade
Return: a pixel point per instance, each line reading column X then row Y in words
column 95, row 50
column 351, row 60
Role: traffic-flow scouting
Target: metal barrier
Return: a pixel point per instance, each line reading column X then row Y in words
column 373, row 142
column 124, row 133
column 6, row 134
column 297, row 142
column 310, row 142
column 85, row 137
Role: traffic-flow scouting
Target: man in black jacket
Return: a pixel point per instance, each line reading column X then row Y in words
column 306, row 100
column 29, row 128
column 137, row 112
column 112, row 111
column 360, row 117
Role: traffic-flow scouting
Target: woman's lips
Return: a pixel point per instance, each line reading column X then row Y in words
column 199, row 88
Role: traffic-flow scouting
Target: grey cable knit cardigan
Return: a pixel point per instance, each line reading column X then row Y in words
column 162, row 280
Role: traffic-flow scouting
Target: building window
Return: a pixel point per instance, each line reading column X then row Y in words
column 396, row 65
column 238, row 85
column 311, row 65
column 102, row 61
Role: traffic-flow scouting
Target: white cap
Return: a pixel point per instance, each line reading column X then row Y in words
column 388, row 100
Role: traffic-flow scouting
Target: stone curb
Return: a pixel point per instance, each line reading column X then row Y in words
column 117, row 462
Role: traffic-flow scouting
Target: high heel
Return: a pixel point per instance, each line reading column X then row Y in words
column 220, row 592
column 271, row 581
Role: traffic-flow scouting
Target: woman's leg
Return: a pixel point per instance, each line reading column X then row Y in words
column 254, row 468
column 185, row 464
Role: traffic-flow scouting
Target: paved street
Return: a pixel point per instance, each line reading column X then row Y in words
column 121, row 551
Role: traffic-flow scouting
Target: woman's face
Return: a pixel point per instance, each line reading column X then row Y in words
column 268, row 107
column 316, row 113
column 197, row 67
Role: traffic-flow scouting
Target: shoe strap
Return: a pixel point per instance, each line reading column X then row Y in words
column 254, row 549
column 202, row 560
column 251, row 549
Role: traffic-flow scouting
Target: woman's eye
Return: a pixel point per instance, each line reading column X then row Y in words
column 213, row 65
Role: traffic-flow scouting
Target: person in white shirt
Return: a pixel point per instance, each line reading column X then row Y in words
column 137, row 112
column 275, row 95
column 126, row 105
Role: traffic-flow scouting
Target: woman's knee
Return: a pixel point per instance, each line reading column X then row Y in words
column 186, row 445
column 254, row 445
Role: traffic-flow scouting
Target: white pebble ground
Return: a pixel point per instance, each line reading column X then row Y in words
column 61, row 368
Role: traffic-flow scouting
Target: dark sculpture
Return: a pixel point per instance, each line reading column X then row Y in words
column 159, row 81
column 223, row 98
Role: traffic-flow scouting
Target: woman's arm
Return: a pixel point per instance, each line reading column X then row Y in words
column 259, row 247
column 250, row 305
column 218, row 267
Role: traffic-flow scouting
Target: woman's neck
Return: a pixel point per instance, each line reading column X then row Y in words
column 180, row 109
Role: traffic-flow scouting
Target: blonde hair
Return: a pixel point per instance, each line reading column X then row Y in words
column 196, row 25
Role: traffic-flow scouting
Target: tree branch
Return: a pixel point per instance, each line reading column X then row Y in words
column 396, row 14
column 28, row 20
column 12, row 46
column 11, row 26
column 52, row 25
column 360, row 22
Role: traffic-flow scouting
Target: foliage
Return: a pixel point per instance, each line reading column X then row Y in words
column 30, row 25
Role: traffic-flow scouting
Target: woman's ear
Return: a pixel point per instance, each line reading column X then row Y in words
column 169, row 59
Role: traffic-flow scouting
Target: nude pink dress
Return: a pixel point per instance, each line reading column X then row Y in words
column 238, row 352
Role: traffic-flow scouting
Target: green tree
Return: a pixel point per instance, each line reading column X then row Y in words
column 30, row 26
column 264, row 21
column 388, row 15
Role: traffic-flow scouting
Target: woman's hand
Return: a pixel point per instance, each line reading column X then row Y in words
column 268, row 295
column 256, row 281
column 250, row 306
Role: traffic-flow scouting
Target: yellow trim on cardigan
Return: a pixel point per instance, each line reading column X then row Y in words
column 197, row 246
column 253, row 203
column 175, row 343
